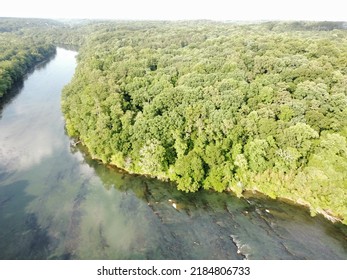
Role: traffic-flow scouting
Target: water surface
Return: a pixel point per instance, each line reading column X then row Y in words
column 57, row 203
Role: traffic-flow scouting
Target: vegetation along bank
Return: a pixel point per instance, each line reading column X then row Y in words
column 218, row 106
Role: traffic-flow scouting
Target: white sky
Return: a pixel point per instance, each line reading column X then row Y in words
column 333, row 10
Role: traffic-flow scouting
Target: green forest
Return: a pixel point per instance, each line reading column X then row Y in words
column 211, row 105
column 21, row 47
column 25, row 43
column 17, row 56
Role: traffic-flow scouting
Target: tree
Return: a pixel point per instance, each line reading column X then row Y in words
column 255, row 152
column 152, row 157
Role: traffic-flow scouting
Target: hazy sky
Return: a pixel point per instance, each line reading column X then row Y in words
column 333, row 10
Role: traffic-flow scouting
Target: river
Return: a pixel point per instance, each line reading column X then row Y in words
column 58, row 203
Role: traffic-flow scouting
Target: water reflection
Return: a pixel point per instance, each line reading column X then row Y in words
column 17, row 224
column 30, row 146
column 6, row 99
column 26, row 136
column 207, row 225
column 10, row 96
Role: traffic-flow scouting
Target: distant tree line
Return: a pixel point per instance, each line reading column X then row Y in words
column 21, row 47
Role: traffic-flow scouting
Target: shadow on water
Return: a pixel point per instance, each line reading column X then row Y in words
column 210, row 225
column 11, row 95
column 20, row 233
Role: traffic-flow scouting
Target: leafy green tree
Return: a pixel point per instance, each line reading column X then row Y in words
column 256, row 153
column 189, row 171
column 152, row 157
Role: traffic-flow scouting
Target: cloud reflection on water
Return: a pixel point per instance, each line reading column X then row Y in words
column 27, row 151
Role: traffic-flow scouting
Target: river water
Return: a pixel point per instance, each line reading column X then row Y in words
column 58, row 203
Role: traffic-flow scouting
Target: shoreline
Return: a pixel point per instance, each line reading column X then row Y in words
column 19, row 81
column 246, row 193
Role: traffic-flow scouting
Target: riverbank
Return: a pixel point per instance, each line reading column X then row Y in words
column 244, row 192
column 19, row 58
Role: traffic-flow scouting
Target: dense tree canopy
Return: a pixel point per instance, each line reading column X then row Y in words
column 26, row 42
column 218, row 106
column 208, row 105
column 21, row 47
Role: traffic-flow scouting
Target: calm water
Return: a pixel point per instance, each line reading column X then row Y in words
column 57, row 203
